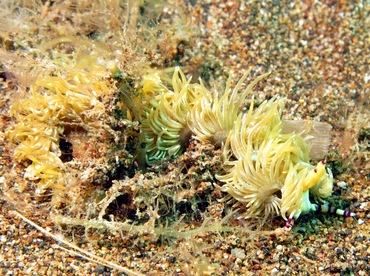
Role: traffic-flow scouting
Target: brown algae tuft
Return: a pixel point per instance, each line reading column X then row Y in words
column 64, row 98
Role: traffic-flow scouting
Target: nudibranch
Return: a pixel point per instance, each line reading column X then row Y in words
column 266, row 169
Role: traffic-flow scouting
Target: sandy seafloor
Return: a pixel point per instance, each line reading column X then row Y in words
column 319, row 56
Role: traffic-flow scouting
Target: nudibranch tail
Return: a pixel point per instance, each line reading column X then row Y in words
column 322, row 208
column 327, row 208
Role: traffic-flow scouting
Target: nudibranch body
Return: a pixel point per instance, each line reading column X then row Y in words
column 266, row 171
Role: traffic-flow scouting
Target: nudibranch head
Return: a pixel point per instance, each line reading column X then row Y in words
column 314, row 176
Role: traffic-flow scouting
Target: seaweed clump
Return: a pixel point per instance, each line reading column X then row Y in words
column 64, row 101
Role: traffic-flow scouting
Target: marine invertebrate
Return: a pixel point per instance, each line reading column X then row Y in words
column 267, row 167
column 257, row 158
column 212, row 116
column 267, row 171
column 164, row 122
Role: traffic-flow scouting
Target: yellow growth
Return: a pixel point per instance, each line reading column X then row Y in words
column 67, row 99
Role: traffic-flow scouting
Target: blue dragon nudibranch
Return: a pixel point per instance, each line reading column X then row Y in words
column 319, row 183
column 267, row 170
